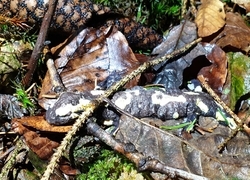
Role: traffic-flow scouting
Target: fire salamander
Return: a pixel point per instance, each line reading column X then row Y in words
column 141, row 102
column 71, row 15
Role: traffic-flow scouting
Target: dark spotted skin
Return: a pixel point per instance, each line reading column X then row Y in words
column 70, row 15
column 165, row 105
column 140, row 102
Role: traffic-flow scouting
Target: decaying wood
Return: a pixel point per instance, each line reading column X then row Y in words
column 96, row 102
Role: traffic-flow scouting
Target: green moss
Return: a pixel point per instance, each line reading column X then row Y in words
column 108, row 166
column 239, row 69
column 24, row 98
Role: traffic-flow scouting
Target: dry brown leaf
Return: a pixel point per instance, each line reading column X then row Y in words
column 216, row 73
column 66, row 168
column 42, row 146
column 39, row 123
column 93, row 55
column 210, row 17
column 236, row 34
column 198, row 156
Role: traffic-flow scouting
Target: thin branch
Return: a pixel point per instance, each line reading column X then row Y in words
column 96, row 102
column 39, row 43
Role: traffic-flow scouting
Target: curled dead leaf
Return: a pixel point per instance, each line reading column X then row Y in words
column 39, row 123
column 210, row 17
column 216, row 73
column 42, row 146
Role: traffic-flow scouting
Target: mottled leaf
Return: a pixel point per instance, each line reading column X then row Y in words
column 11, row 55
column 171, row 75
column 8, row 61
column 210, row 17
column 198, row 156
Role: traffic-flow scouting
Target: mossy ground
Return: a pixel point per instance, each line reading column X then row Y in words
column 110, row 165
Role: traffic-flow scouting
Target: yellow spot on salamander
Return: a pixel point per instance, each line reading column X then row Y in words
column 230, row 121
column 176, row 115
column 203, row 107
column 162, row 99
column 123, row 101
column 69, row 108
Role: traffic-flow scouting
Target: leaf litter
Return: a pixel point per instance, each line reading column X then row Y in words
column 210, row 17
column 91, row 58
column 198, row 155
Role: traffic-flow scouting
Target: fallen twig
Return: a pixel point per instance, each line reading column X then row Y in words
column 96, row 102
column 39, row 43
